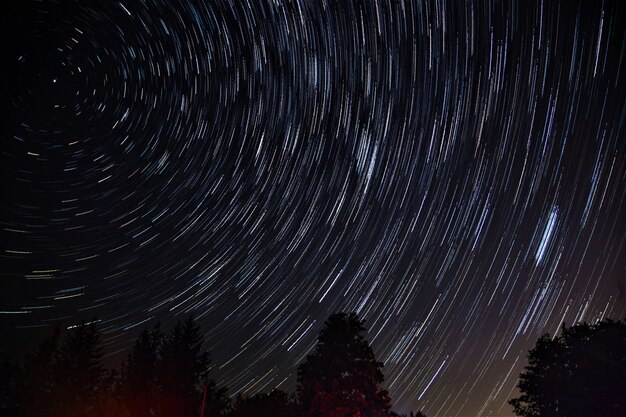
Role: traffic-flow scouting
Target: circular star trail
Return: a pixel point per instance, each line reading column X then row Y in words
column 453, row 172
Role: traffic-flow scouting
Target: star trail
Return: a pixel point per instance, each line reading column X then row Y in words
column 453, row 172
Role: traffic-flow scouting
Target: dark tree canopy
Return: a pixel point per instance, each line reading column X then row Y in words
column 82, row 375
column 580, row 373
column 342, row 377
column 184, row 361
column 273, row 404
column 64, row 376
column 139, row 385
column 182, row 374
column 35, row 388
column 164, row 375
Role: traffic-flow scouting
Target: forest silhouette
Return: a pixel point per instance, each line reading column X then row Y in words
column 582, row 372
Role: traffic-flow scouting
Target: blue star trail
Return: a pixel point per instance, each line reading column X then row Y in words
column 454, row 172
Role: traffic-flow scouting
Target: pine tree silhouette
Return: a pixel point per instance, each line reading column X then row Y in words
column 139, row 387
column 342, row 377
column 37, row 382
column 82, row 379
column 580, row 373
column 183, row 375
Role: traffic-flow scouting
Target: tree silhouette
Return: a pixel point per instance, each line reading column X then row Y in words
column 82, row 379
column 64, row 377
column 167, row 376
column 274, row 404
column 182, row 375
column 139, row 386
column 163, row 376
column 215, row 400
column 38, row 379
column 342, row 377
column 580, row 373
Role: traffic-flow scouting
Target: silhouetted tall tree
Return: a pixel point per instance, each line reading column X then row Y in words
column 342, row 377
column 36, row 386
column 580, row 373
column 82, row 379
column 184, row 365
column 139, row 385
column 64, row 377
column 161, row 377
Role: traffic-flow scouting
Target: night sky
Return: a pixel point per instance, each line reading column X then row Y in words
column 454, row 172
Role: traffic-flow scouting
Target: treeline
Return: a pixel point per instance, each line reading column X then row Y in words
column 166, row 374
column 580, row 373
